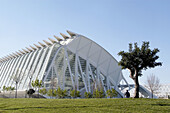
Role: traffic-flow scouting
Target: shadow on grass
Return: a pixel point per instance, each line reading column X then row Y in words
column 160, row 104
column 53, row 107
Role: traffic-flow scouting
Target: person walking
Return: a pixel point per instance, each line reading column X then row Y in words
column 127, row 94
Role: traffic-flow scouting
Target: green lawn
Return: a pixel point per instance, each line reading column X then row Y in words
column 84, row 105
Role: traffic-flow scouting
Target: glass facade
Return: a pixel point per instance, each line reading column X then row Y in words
column 73, row 63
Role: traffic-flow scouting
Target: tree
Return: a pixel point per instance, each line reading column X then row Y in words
column 10, row 89
column 16, row 79
column 37, row 84
column 4, row 89
column 138, row 59
column 152, row 83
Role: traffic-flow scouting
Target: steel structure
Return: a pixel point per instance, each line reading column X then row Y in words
column 74, row 62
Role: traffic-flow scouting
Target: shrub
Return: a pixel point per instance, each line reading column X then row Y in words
column 52, row 93
column 43, row 91
column 87, row 95
column 37, row 84
column 111, row 93
column 61, row 93
column 98, row 94
column 74, row 93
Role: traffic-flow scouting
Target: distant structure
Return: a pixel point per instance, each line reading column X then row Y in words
column 164, row 91
column 71, row 62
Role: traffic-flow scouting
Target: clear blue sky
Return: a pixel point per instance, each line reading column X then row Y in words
column 111, row 23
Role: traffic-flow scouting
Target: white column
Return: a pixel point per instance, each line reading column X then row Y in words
column 76, row 72
column 69, row 68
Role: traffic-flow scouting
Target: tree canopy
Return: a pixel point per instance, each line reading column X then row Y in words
column 137, row 59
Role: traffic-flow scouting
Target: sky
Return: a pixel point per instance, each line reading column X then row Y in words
column 113, row 24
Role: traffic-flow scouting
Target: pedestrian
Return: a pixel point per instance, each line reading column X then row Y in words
column 127, row 94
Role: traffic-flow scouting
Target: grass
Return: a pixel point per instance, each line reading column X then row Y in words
column 84, row 105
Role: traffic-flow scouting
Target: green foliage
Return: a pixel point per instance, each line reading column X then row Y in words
column 87, row 95
column 12, row 88
column 52, row 93
column 43, row 91
column 75, row 93
column 72, row 93
column 111, row 93
column 61, row 93
column 139, row 58
column 4, row 88
column 98, row 93
column 36, row 83
column 8, row 88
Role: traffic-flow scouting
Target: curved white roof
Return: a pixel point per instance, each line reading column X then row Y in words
column 97, row 56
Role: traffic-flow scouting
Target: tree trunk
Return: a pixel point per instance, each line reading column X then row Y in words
column 136, row 87
column 152, row 94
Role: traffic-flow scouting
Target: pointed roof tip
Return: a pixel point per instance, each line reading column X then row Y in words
column 25, row 50
column 53, row 41
column 6, row 57
column 59, row 39
column 3, row 58
column 37, row 46
column 33, row 47
column 18, row 53
column 29, row 49
column 9, row 56
column 48, row 43
column 21, row 52
column 64, row 36
column 71, row 33
column 12, row 55
column 43, row 45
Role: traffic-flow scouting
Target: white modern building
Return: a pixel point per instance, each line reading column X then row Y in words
column 71, row 62
column 163, row 91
